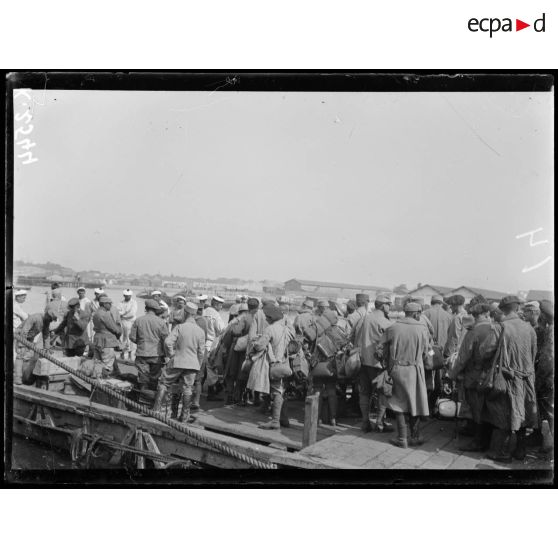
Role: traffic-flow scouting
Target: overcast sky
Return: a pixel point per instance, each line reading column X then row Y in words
column 371, row 188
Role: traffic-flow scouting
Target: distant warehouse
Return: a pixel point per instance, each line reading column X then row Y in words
column 322, row 288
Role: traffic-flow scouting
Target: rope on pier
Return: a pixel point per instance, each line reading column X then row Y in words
column 192, row 433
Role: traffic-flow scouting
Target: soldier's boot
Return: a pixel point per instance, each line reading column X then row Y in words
column 159, row 398
column 212, row 394
column 229, row 396
column 18, row 372
column 486, row 434
column 195, row 406
column 264, row 406
column 476, row 443
column 186, row 403
column 274, row 423
column 520, row 451
column 364, row 402
column 238, row 395
column 175, row 403
column 401, row 440
column 415, row 440
column 500, row 450
column 284, row 417
column 381, row 424
column 332, row 402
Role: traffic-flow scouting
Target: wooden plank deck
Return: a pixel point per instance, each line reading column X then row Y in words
column 440, row 451
column 243, row 422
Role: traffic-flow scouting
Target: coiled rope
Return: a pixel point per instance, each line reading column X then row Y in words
column 192, row 433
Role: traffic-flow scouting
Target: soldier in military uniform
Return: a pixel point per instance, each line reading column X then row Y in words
column 367, row 336
column 404, row 346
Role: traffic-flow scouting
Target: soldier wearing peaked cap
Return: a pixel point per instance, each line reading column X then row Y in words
column 234, row 342
column 74, row 329
column 305, row 320
column 34, row 325
column 456, row 331
column 185, row 346
column 404, row 346
column 544, row 373
column 106, row 325
column 468, row 370
column 148, row 333
column 355, row 317
column 274, row 339
column 440, row 321
column 513, row 343
column 366, row 336
column 321, row 307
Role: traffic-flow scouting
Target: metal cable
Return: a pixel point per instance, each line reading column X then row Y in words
column 142, row 409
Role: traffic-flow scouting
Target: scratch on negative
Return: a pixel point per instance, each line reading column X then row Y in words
column 202, row 106
column 174, row 185
column 478, row 136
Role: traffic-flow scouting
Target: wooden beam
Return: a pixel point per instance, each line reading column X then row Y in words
column 108, row 420
column 140, row 459
column 310, row 420
column 152, row 446
column 117, row 455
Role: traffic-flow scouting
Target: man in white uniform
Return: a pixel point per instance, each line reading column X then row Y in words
column 20, row 315
column 215, row 327
column 128, row 309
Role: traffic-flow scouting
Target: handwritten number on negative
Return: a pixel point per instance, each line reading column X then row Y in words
column 30, row 158
column 26, row 115
column 20, row 130
column 26, row 143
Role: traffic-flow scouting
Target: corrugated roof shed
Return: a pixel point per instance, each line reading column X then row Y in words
column 487, row 293
column 337, row 285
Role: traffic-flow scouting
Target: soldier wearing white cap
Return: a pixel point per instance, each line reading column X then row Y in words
column 157, row 296
column 128, row 310
column 20, row 315
column 215, row 327
column 178, row 313
column 94, row 305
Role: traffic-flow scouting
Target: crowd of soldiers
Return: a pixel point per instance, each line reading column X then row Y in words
column 496, row 360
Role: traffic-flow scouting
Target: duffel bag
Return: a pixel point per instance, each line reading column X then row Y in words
column 352, row 363
column 241, row 344
column 279, row 370
column 322, row 370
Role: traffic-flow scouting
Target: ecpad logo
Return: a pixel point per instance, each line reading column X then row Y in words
column 494, row 24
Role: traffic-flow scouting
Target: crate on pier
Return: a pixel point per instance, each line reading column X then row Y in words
column 50, row 376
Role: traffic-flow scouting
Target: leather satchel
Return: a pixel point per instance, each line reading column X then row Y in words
column 384, row 383
column 434, row 361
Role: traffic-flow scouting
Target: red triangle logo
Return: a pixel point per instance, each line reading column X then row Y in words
column 519, row 25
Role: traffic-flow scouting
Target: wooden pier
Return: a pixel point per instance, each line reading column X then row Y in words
column 57, row 418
